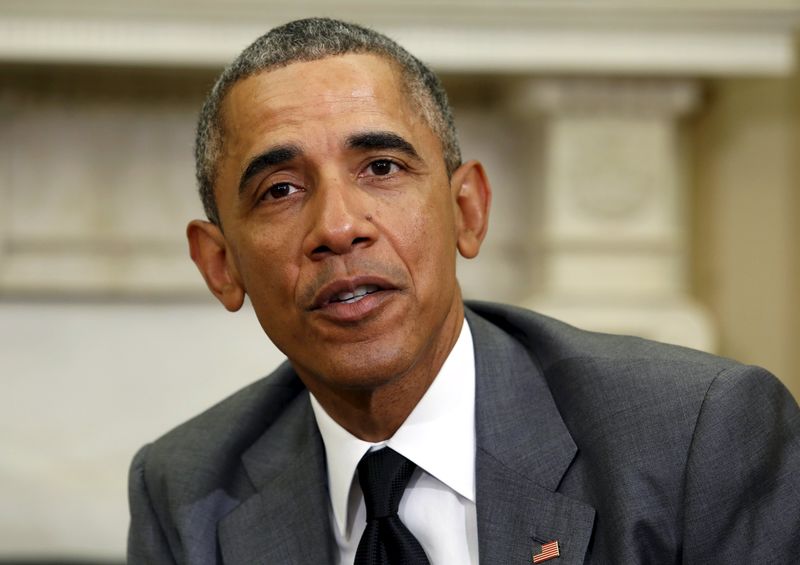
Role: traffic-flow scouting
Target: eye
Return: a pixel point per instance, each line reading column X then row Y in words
column 279, row 190
column 383, row 167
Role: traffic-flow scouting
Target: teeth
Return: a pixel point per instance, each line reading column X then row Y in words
column 359, row 293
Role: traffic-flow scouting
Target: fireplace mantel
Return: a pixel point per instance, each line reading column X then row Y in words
column 720, row 38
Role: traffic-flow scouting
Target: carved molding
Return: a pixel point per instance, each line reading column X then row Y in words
column 613, row 232
column 97, row 185
column 719, row 38
column 611, row 159
column 606, row 96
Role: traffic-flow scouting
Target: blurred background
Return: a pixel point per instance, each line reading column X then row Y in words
column 644, row 157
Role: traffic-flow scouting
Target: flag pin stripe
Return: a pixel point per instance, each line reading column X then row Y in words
column 550, row 550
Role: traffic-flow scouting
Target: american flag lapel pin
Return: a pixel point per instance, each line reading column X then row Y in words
column 549, row 550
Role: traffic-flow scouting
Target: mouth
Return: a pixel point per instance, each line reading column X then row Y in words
column 358, row 294
column 349, row 291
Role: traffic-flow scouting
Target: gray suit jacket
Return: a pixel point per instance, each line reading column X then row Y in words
column 623, row 450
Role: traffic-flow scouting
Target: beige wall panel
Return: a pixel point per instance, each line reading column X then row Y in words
column 746, row 235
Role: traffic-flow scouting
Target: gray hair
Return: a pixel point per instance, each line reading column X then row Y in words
column 309, row 40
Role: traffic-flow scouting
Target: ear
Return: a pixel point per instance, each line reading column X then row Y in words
column 473, row 198
column 209, row 251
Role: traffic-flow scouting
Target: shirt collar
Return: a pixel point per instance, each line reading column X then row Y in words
column 438, row 435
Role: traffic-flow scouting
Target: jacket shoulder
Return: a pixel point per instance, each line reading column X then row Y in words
column 680, row 452
column 185, row 481
column 204, row 453
column 553, row 341
column 228, row 427
column 611, row 386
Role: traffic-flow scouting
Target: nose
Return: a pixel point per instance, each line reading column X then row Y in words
column 339, row 220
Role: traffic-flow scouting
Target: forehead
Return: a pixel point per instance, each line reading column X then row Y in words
column 356, row 90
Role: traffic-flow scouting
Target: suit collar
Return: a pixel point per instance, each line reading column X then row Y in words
column 523, row 451
column 287, row 520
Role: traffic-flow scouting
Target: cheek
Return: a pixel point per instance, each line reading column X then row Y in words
column 269, row 269
column 429, row 243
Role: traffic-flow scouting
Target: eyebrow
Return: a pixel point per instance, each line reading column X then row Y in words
column 381, row 140
column 284, row 153
column 270, row 158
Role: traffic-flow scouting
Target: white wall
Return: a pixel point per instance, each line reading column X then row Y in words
column 84, row 384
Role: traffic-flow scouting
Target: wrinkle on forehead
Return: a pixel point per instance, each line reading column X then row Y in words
column 345, row 81
column 318, row 102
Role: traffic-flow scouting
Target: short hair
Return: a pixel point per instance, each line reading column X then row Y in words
column 310, row 40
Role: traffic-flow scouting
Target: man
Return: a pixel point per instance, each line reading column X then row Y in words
column 405, row 428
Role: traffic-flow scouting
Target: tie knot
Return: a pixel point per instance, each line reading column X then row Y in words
column 383, row 476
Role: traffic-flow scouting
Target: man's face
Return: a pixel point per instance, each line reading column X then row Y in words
column 340, row 221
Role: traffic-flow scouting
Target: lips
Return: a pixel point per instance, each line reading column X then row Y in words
column 349, row 291
column 357, row 294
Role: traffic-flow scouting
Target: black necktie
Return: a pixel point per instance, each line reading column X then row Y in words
column 383, row 476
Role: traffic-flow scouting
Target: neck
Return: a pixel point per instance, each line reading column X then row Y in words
column 375, row 414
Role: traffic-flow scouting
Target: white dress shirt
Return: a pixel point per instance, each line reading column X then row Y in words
column 438, row 506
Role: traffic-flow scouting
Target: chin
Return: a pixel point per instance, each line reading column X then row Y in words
column 363, row 373
column 369, row 377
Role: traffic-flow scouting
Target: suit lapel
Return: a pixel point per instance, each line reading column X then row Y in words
column 523, row 451
column 287, row 520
